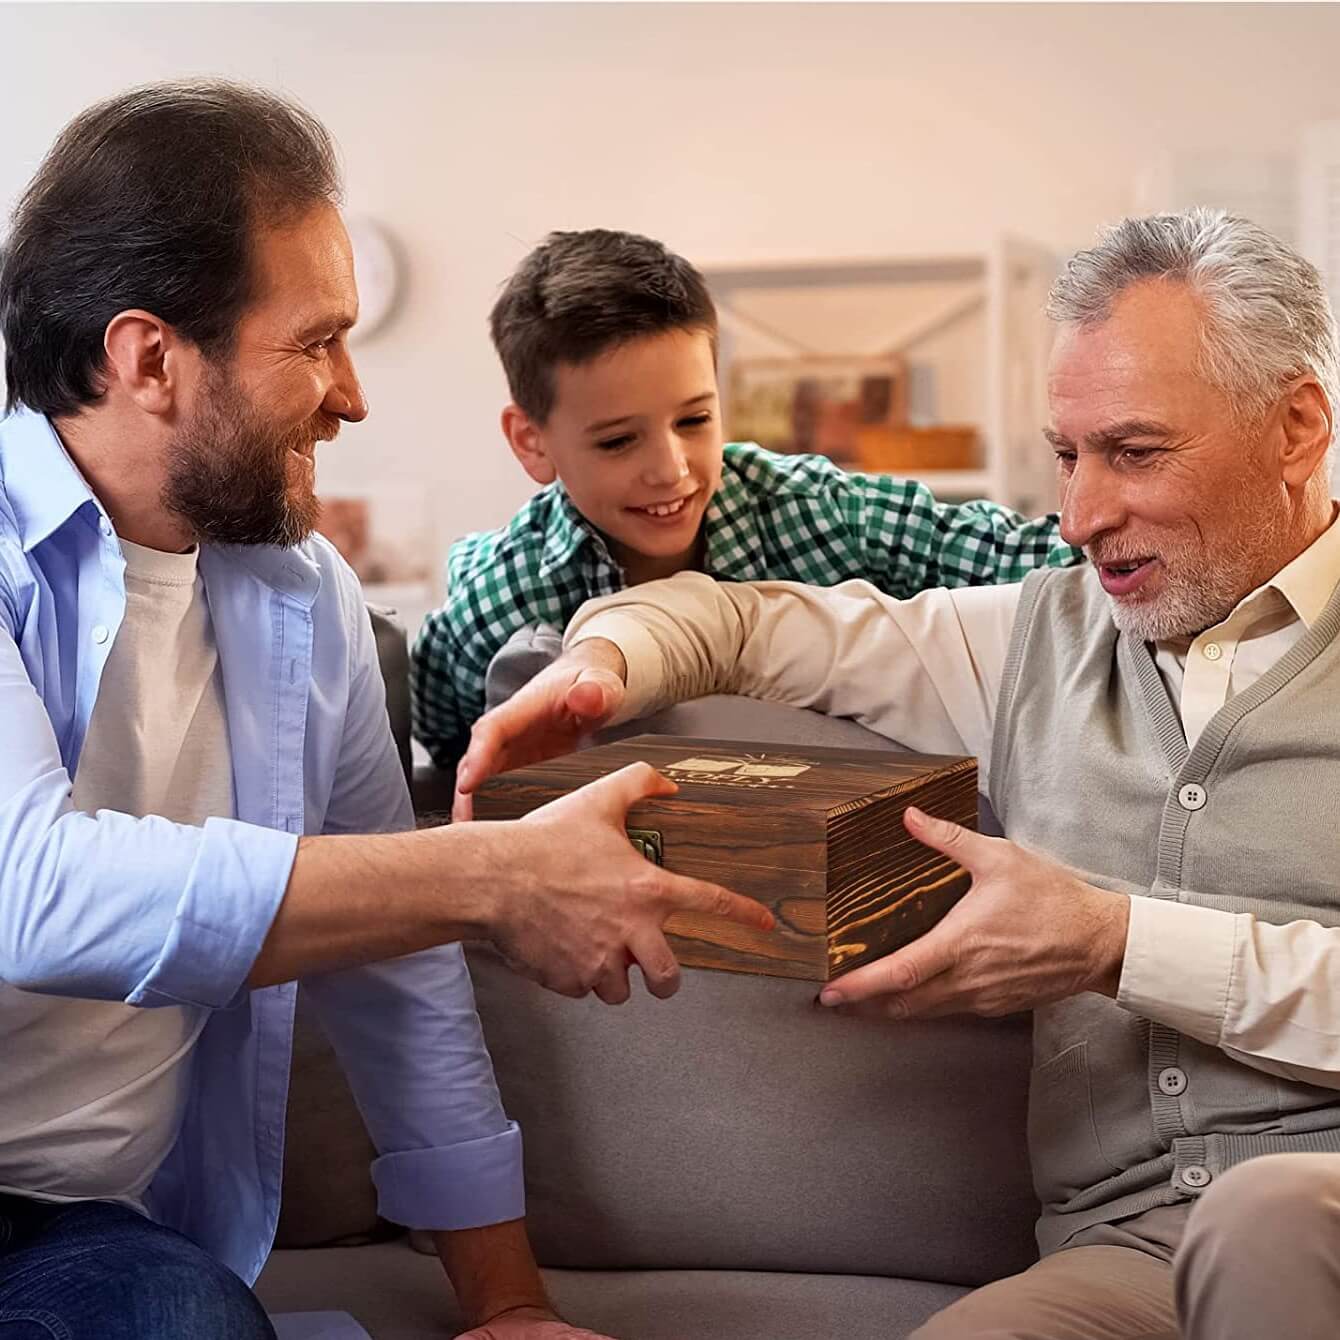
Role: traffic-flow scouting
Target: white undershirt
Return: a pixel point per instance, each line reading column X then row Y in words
column 927, row 672
column 92, row 1092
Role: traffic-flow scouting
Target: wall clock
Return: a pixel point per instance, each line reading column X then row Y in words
column 377, row 273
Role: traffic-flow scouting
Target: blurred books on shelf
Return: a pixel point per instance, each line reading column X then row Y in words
column 816, row 404
column 908, row 450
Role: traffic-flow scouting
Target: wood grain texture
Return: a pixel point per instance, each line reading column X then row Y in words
column 814, row 833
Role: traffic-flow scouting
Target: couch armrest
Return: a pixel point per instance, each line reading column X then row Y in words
column 393, row 656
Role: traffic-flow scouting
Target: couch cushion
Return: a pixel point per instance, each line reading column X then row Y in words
column 739, row 1127
column 397, row 1295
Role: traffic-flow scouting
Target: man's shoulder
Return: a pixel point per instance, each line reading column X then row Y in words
column 313, row 573
column 9, row 522
column 14, row 572
column 1069, row 599
column 10, row 533
column 327, row 559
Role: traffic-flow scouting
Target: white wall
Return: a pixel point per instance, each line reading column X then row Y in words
column 733, row 132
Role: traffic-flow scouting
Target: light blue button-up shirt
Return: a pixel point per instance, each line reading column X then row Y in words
column 109, row 907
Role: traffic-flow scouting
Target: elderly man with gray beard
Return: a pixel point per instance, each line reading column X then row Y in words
column 1159, row 732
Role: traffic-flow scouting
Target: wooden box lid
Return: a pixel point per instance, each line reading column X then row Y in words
column 814, row 832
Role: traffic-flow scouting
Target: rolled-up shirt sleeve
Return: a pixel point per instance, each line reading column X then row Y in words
column 406, row 1031
column 110, row 907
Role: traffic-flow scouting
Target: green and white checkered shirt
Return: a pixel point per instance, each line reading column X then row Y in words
column 774, row 518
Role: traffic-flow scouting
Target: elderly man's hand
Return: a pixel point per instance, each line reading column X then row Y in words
column 1027, row 932
column 548, row 716
column 529, row 1324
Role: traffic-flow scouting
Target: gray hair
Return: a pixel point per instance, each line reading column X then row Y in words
column 1268, row 318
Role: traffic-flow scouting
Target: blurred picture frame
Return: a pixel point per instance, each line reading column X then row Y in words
column 816, row 403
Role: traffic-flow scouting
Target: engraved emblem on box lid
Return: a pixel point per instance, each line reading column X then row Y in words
column 748, row 770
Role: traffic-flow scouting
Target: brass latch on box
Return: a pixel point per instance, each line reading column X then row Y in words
column 648, row 842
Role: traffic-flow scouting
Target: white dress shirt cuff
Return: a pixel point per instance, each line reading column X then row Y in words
column 1178, row 966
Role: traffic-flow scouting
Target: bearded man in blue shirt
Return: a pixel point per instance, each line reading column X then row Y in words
column 200, row 798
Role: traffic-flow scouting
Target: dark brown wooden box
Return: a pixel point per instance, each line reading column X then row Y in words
column 814, row 833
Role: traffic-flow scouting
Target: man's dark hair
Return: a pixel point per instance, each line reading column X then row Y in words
column 151, row 199
column 579, row 295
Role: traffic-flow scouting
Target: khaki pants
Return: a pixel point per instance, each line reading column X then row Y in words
column 1256, row 1258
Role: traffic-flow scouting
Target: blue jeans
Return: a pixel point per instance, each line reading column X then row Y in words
column 97, row 1271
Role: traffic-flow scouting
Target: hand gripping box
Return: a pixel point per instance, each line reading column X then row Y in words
column 814, row 833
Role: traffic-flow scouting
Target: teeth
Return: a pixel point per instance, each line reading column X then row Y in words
column 665, row 509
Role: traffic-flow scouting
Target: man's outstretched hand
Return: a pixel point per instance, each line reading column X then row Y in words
column 547, row 717
column 573, row 904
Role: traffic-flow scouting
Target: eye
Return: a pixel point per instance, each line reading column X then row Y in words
column 1065, row 460
column 695, row 420
column 1136, row 455
column 319, row 348
column 614, row 443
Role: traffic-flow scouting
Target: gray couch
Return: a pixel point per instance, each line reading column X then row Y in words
column 733, row 1162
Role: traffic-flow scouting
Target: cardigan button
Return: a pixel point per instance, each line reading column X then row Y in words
column 1172, row 1081
column 1197, row 1176
column 1192, row 797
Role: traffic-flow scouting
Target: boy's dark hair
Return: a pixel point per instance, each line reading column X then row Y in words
column 150, row 199
column 578, row 295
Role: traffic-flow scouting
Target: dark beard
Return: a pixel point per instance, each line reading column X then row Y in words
column 228, row 472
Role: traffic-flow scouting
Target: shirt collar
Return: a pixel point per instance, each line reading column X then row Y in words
column 732, row 535
column 1308, row 582
column 566, row 532
column 1305, row 585
column 43, row 485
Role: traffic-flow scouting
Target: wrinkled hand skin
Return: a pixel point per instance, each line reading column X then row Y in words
column 529, row 1324
column 1028, row 932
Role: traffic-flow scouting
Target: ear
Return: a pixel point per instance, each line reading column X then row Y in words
column 1306, row 424
column 148, row 360
column 527, row 442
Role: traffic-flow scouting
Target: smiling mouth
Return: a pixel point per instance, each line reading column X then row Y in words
column 1125, row 576
column 665, row 509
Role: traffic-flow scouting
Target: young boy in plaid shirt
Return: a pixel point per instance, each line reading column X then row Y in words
column 609, row 345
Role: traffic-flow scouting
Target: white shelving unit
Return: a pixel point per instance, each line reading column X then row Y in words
column 974, row 322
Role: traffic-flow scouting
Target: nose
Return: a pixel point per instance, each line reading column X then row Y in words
column 666, row 462
column 344, row 397
column 1091, row 501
